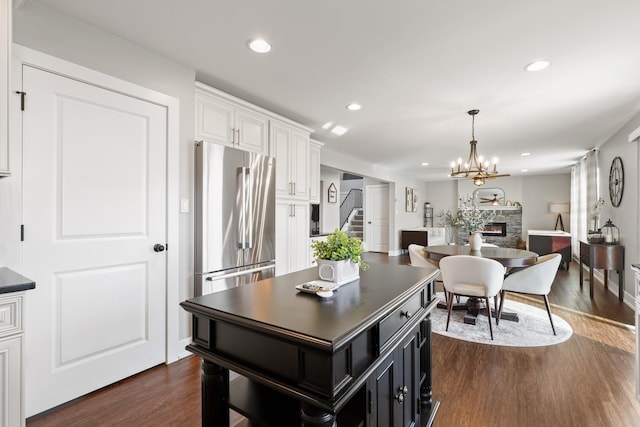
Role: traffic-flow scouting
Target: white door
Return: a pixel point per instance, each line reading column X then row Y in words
column 377, row 217
column 94, row 206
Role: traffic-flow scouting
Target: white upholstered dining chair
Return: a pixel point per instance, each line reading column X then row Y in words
column 417, row 258
column 471, row 276
column 534, row 280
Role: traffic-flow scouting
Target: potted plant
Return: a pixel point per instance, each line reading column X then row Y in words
column 339, row 257
column 450, row 221
column 472, row 220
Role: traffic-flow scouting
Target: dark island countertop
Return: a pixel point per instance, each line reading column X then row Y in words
column 277, row 303
column 10, row 281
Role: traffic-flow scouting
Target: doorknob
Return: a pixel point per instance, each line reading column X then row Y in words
column 158, row 247
column 368, row 222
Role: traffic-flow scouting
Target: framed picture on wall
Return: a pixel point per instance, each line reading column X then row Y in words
column 408, row 204
column 332, row 195
column 414, row 204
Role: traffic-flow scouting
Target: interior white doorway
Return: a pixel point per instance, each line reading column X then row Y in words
column 376, row 214
column 94, row 209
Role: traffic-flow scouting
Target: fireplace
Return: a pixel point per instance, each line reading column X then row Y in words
column 495, row 229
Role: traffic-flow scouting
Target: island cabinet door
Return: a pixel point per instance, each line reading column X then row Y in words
column 393, row 390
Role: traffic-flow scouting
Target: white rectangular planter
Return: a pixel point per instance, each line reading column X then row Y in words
column 339, row 272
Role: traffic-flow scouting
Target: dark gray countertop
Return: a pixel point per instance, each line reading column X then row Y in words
column 10, row 281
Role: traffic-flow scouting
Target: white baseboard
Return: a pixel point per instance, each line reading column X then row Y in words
column 396, row 252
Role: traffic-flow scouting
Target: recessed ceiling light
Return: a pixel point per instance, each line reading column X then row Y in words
column 524, row 170
column 354, row 106
column 339, row 130
column 327, row 125
column 538, row 65
column 525, row 154
column 259, row 45
column 425, row 164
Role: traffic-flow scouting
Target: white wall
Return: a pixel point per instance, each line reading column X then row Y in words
column 626, row 216
column 534, row 192
column 43, row 29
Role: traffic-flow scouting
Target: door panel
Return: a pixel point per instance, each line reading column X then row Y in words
column 94, row 204
column 111, row 168
column 377, row 217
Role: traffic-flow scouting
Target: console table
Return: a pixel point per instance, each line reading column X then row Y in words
column 605, row 256
column 360, row 357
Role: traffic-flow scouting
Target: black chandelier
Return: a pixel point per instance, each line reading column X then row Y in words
column 476, row 167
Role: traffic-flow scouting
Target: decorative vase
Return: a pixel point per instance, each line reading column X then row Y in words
column 475, row 241
column 338, row 272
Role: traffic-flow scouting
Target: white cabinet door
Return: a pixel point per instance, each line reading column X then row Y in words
column 252, row 130
column 223, row 122
column 314, row 173
column 214, row 119
column 292, row 236
column 279, row 141
column 5, row 64
column 299, row 245
column 283, row 213
column 11, row 382
column 299, row 166
column 291, row 151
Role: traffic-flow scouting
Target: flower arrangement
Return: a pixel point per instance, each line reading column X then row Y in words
column 474, row 219
column 340, row 246
column 448, row 218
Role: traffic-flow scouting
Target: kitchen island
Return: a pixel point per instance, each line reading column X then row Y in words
column 359, row 357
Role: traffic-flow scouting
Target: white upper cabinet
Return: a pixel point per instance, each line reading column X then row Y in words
column 314, row 171
column 290, row 147
column 5, row 64
column 226, row 120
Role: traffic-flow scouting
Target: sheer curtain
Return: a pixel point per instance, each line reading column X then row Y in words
column 585, row 193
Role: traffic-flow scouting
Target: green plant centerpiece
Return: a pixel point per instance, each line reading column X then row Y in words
column 339, row 257
column 473, row 220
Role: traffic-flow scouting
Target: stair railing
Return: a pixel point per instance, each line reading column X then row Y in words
column 353, row 200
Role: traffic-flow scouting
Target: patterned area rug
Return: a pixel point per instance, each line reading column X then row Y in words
column 532, row 330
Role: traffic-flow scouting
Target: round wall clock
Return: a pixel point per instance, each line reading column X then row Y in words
column 616, row 181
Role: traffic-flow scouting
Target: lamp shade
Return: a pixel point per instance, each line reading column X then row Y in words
column 558, row 208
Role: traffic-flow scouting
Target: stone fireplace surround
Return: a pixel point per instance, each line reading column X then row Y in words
column 512, row 216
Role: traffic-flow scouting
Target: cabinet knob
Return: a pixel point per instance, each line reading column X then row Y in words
column 400, row 397
column 406, row 314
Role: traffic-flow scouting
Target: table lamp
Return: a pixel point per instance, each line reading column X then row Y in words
column 559, row 208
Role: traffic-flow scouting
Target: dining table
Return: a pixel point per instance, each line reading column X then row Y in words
column 511, row 258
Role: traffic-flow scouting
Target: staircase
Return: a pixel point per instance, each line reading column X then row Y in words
column 356, row 225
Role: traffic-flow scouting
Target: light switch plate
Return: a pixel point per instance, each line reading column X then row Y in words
column 184, row 205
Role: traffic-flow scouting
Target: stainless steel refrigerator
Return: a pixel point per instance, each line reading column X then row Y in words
column 235, row 217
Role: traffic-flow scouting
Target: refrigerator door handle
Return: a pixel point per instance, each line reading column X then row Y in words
column 249, row 206
column 242, row 243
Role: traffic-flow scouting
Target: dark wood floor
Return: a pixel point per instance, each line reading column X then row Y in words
column 588, row 380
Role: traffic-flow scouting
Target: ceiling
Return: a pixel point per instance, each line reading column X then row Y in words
column 416, row 66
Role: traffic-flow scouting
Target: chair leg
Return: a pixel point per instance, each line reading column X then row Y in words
column 502, row 295
column 449, row 306
column 486, row 300
column 546, row 303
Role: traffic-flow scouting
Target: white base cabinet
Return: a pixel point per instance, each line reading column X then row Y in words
column 292, row 236
column 11, row 336
column 636, row 270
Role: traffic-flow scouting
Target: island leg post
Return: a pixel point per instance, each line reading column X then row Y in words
column 215, row 395
column 316, row 417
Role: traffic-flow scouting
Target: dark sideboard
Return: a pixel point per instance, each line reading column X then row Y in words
column 545, row 242
column 360, row 357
